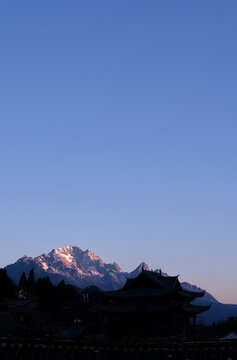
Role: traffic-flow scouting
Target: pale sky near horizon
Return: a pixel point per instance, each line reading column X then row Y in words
column 118, row 124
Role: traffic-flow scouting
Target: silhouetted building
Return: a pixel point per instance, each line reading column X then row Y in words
column 150, row 306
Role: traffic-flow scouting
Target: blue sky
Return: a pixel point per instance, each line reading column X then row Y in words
column 118, row 134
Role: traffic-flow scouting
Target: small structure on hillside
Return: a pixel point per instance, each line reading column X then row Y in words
column 230, row 336
column 150, row 306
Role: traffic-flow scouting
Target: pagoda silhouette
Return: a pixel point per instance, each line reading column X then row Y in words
column 150, row 306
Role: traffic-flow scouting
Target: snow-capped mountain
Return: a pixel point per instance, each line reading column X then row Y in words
column 75, row 266
column 80, row 268
column 84, row 268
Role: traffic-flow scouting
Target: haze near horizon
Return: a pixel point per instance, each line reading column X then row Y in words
column 118, row 134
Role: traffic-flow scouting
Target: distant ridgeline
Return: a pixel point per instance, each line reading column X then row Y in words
column 83, row 269
column 80, row 268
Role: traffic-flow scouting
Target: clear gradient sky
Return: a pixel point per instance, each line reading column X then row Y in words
column 118, row 133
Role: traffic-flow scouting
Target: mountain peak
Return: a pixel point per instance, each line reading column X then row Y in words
column 116, row 266
column 92, row 256
column 67, row 249
column 138, row 270
column 24, row 258
column 77, row 267
column 73, row 265
column 142, row 266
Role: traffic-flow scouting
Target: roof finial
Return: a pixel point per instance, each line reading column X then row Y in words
column 160, row 272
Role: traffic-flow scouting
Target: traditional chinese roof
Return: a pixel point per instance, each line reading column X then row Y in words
column 154, row 278
column 194, row 309
column 150, row 283
column 132, row 308
column 191, row 294
column 159, row 308
column 152, row 292
column 140, row 292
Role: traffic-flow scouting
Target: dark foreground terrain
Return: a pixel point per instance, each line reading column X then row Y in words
column 40, row 321
column 71, row 350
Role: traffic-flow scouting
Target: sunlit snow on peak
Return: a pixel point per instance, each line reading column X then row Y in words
column 61, row 256
column 91, row 255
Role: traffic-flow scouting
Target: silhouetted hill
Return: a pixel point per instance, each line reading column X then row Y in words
column 217, row 312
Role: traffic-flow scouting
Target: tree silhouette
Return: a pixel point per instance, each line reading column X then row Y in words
column 44, row 285
column 31, row 278
column 6, row 285
column 22, row 282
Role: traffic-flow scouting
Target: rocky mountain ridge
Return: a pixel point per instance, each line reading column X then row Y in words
column 82, row 269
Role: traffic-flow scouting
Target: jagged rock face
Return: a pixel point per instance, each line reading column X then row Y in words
column 82, row 269
column 75, row 266
column 207, row 298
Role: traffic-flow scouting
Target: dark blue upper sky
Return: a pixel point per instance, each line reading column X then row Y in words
column 118, row 133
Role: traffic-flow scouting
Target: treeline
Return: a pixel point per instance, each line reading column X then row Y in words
column 49, row 296
column 223, row 328
column 7, row 288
